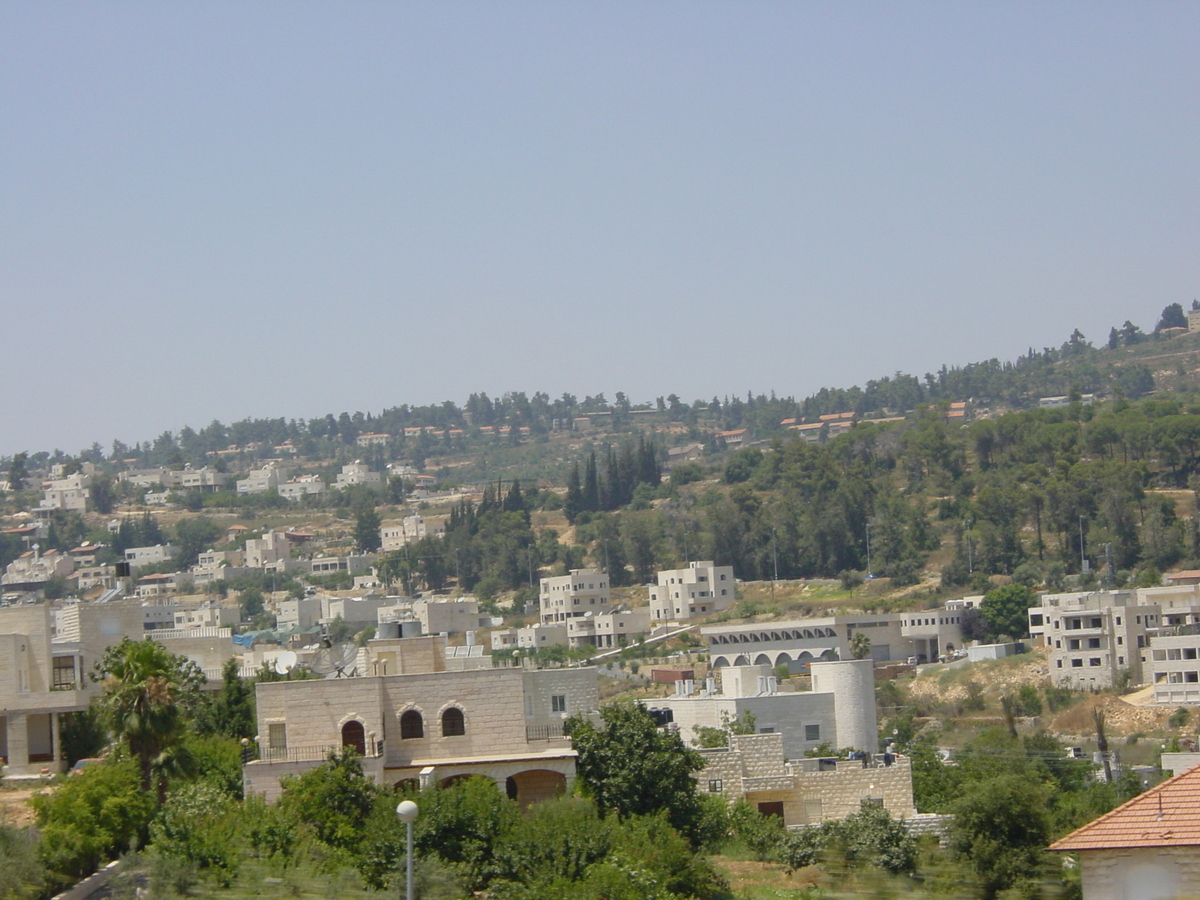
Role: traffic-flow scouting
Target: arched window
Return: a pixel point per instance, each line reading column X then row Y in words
column 412, row 725
column 453, row 723
column 353, row 736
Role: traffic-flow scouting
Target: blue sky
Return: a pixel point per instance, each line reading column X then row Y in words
column 223, row 210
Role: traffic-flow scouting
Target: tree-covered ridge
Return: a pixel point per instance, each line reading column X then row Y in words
column 1076, row 366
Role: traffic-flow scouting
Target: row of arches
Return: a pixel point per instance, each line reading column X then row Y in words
column 526, row 787
column 795, row 662
column 798, row 634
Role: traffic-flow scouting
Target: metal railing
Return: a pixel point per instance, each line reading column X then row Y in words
column 309, row 752
column 544, row 732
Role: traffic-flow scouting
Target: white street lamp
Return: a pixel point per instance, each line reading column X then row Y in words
column 407, row 811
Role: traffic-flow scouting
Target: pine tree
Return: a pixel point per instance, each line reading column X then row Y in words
column 591, row 485
column 573, row 505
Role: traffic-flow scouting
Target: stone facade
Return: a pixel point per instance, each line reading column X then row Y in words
column 798, row 642
column 574, row 595
column 428, row 725
column 806, row 791
column 1142, row 873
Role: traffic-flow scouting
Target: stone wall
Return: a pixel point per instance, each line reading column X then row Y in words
column 810, row 791
column 1150, row 873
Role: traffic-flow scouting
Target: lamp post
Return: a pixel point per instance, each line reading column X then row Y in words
column 407, row 812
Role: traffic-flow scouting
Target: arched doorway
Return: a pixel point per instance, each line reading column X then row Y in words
column 535, row 785
column 354, row 736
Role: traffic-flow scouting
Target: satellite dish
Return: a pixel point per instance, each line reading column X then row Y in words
column 337, row 660
column 285, row 662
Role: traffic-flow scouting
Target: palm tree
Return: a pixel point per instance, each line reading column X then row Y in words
column 141, row 705
column 860, row 645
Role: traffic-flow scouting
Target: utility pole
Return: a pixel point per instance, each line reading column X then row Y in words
column 869, row 575
column 1082, row 559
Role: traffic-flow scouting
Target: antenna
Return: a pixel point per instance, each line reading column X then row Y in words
column 285, row 662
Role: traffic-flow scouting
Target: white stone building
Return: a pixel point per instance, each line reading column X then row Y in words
column 606, row 630
column 139, row 557
column 395, row 535
column 1093, row 635
column 700, row 589
column 796, row 643
column 259, row 481
column 570, row 596
column 358, row 473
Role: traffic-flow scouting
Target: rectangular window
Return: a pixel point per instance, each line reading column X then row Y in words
column 714, row 786
column 1159, row 655
column 277, row 736
column 1191, row 677
column 558, row 703
column 1093, row 643
column 1076, row 663
column 1058, row 662
column 1120, row 640
column 1094, row 661
column 1189, row 652
column 64, row 671
column 812, row 732
column 1118, row 620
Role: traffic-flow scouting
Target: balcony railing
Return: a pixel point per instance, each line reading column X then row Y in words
column 544, row 732
column 309, row 752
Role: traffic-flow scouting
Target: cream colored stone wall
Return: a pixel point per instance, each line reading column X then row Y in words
column 754, row 768
column 578, row 686
column 842, row 791
column 1141, row 874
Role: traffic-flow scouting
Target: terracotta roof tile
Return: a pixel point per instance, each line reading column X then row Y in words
column 1164, row 816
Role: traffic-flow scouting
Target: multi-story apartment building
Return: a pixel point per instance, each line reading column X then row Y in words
column 608, row 629
column 700, row 589
column 530, row 637
column 70, row 492
column 32, row 569
column 273, row 547
column 259, row 481
column 137, row 557
column 571, row 596
column 394, row 535
column 301, row 486
column 358, row 473
column 1093, row 635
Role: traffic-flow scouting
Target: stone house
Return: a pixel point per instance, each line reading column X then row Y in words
column 805, row 791
column 428, row 724
column 1146, row 849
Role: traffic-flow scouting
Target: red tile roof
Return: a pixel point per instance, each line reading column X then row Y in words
column 1164, row 816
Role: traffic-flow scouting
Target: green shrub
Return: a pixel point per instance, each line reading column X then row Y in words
column 92, row 817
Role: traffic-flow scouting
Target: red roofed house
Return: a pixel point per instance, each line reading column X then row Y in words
column 1147, row 849
column 737, row 438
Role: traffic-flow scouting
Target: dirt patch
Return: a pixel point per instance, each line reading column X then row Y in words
column 14, row 806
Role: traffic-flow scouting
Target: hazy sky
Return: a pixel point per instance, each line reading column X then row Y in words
column 219, row 210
